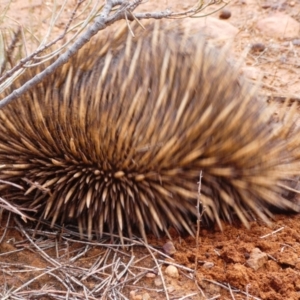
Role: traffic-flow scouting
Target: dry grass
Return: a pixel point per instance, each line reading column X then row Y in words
column 80, row 274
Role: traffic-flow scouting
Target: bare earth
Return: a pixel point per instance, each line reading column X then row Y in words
column 64, row 267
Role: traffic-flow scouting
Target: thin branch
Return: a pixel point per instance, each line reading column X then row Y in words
column 100, row 23
column 40, row 49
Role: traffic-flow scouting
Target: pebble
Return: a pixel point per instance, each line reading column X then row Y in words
column 146, row 296
column 251, row 73
column 292, row 3
column 169, row 248
column 225, row 14
column 266, row 4
column 289, row 28
column 158, row 282
column 172, row 271
column 133, row 296
column 296, row 42
column 258, row 47
column 257, row 260
column 170, row 289
column 208, row 265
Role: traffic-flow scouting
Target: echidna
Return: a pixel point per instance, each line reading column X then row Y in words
column 117, row 138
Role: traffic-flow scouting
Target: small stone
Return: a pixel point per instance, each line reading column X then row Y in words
column 292, row 3
column 146, row 296
column 158, row 282
column 133, row 296
column 225, row 14
column 289, row 28
column 150, row 275
column 266, row 5
column 251, row 73
column 172, row 271
column 257, row 259
column 170, row 289
column 208, row 265
column 258, row 47
column 169, row 248
column 296, row 42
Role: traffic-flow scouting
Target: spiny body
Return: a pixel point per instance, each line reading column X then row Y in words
column 116, row 139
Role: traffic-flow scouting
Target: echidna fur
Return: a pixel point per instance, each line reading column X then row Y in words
column 117, row 137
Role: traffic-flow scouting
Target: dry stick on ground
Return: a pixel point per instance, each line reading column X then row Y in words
column 70, row 276
column 13, row 208
column 225, row 286
column 7, row 296
column 67, row 278
column 64, row 273
column 199, row 216
column 113, row 279
column 5, row 227
column 158, row 269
